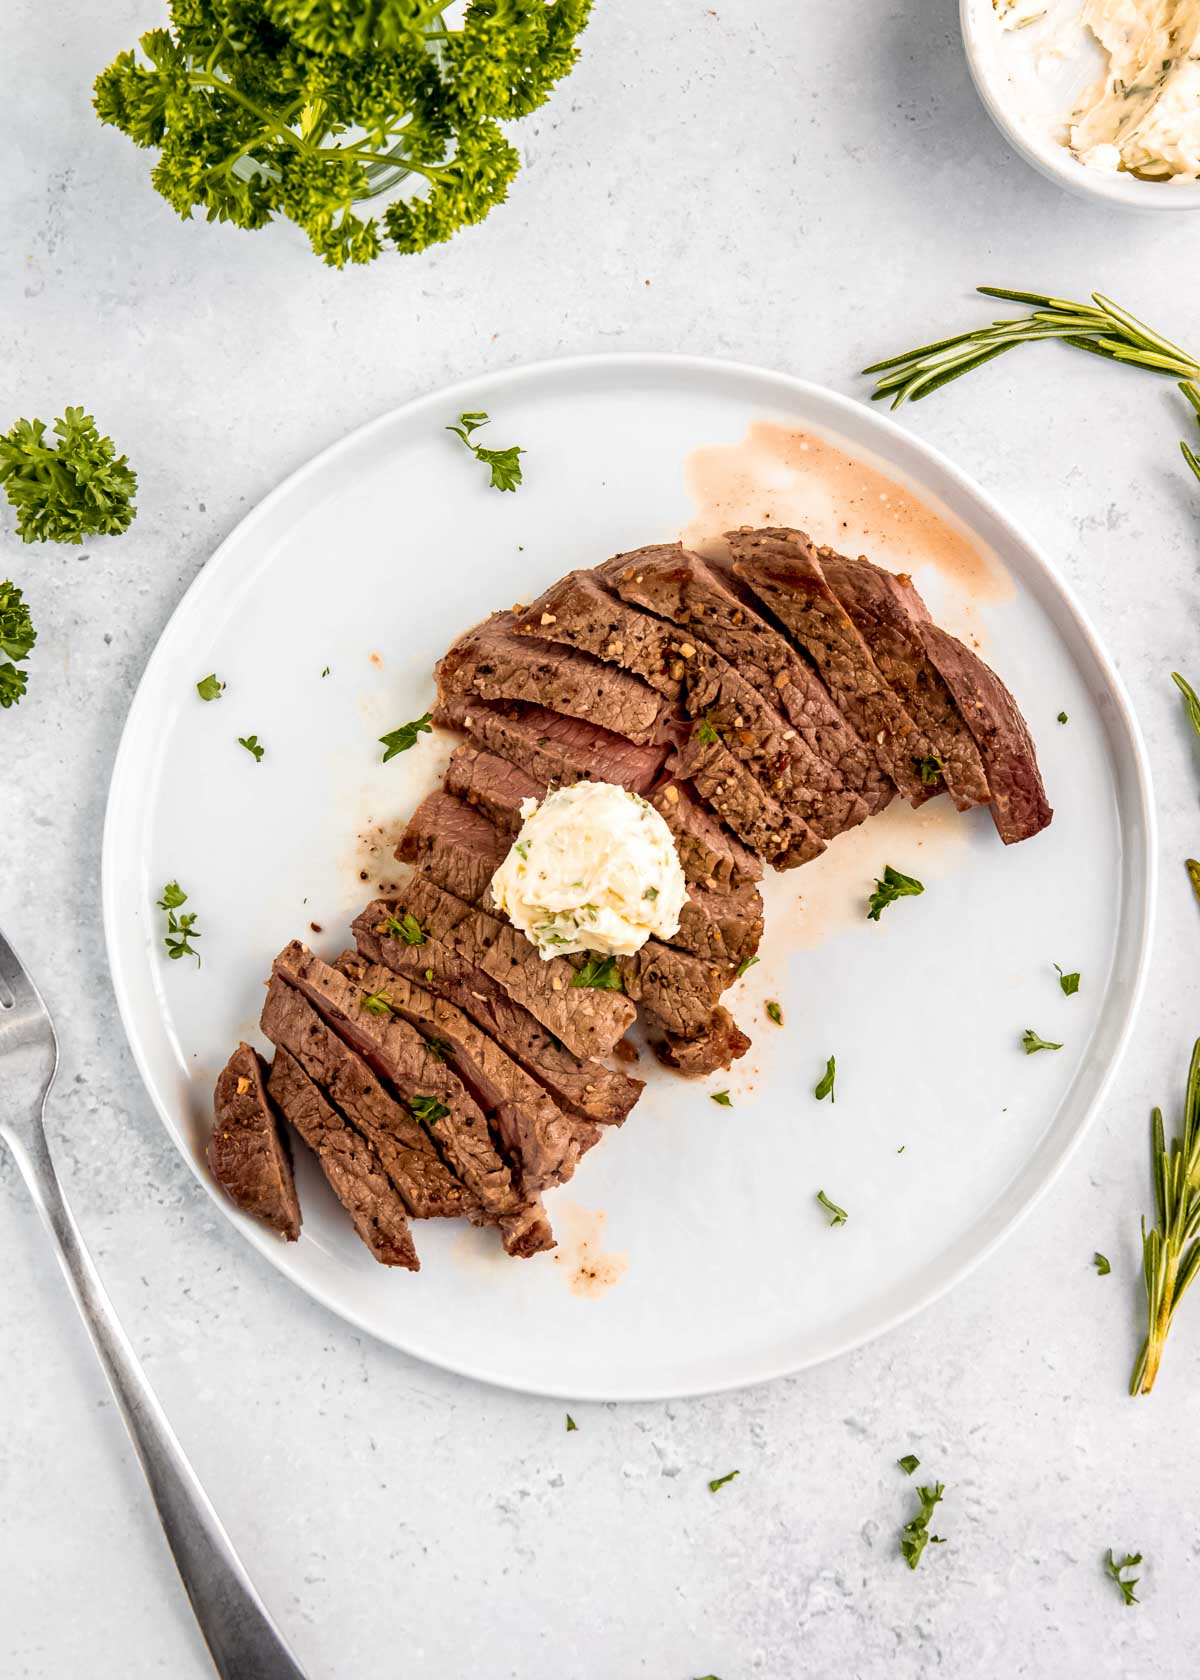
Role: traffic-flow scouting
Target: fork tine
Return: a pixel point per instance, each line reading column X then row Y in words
column 14, row 975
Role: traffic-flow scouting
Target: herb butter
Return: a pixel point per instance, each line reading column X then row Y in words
column 594, row 868
column 1143, row 114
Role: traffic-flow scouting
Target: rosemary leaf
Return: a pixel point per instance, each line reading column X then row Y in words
column 1170, row 1249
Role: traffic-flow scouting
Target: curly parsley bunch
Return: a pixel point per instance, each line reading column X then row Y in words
column 303, row 108
column 63, row 492
column 17, row 637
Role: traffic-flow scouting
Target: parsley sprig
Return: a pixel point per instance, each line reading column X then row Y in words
column 305, row 108
column 63, row 492
column 17, row 637
column 1101, row 327
column 1131, row 1560
column 601, row 974
column 916, row 1535
column 181, row 930
column 400, row 740
column 504, row 463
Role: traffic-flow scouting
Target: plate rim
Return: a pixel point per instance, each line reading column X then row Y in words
column 856, row 413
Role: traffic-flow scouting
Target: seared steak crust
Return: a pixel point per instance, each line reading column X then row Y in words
column 700, row 597
column 352, row 1168
column 587, row 1089
column 784, row 571
column 542, row 1143
column 720, row 1045
column 887, row 611
column 580, row 613
column 427, row 1187
column 421, row 1079
column 551, row 748
column 248, row 1152
column 491, row 663
column 1019, row 805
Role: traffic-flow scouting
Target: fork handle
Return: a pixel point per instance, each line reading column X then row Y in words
column 242, row 1639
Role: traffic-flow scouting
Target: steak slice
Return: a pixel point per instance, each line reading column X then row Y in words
column 710, row 854
column 741, row 801
column 587, row 1089
column 425, row 1183
column 720, row 1045
column 248, row 1151
column 1020, row 808
column 588, row 1022
column 723, row 928
column 701, row 598
column 579, row 612
column 429, row 1089
column 543, row 1144
column 676, row 991
column 552, row 748
column 886, row 611
column 453, row 844
column 492, row 785
column 353, row 1169
column 783, row 570
column 491, row 663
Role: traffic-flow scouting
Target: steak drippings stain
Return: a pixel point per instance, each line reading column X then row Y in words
column 590, row 1272
column 779, row 476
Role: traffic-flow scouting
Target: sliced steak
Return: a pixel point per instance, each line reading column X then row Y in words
column 492, row 785
column 723, row 928
column 588, row 1022
column 579, row 612
column 699, row 597
column 720, row 1045
column 428, row 1188
column 353, row 1169
column 491, row 663
column 710, row 854
column 552, row 748
column 432, row 1092
column 1020, row 808
column 587, row 1089
column 453, row 844
column 676, row 991
column 542, row 1143
column 886, row 611
column 741, row 801
column 783, row 570
column 248, row 1152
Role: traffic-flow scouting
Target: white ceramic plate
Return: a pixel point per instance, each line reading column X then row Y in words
column 693, row 1253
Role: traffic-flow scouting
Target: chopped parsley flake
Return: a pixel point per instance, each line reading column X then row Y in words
column 916, row 1534
column 209, row 688
column 1032, row 1042
column 837, row 1215
column 721, row 1481
column 400, row 740
column 824, row 1087
column 1068, row 982
column 775, row 1012
column 251, row 744
column 749, row 962
column 1131, row 1560
column 1101, row 1263
column 909, row 1463
column 894, row 885
column 428, row 1109
column 722, row 1097
column 601, row 974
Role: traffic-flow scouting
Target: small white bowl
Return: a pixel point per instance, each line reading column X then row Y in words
column 1030, row 130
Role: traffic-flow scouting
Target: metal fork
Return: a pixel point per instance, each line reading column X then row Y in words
column 243, row 1640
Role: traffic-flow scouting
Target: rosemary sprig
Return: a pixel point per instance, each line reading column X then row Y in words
column 1171, row 1249
column 1101, row 327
